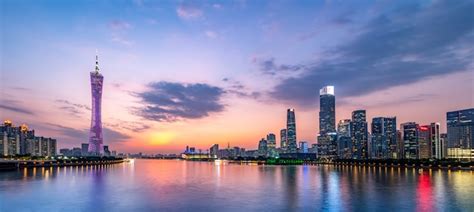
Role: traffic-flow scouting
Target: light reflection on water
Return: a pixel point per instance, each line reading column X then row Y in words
column 170, row 185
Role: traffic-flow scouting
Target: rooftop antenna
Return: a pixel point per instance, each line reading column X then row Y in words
column 96, row 60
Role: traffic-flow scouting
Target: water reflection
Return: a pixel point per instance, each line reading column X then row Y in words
column 168, row 185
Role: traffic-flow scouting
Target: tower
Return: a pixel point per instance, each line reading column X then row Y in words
column 327, row 110
column 291, row 130
column 327, row 144
column 359, row 134
column 95, row 134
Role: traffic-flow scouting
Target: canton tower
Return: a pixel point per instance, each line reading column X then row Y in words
column 95, row 134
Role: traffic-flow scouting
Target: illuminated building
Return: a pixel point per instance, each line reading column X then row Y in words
column 291, row 130
column 409, row 132
column 214, row 150
column 424, row 143
column 283, row 139
column 327, row 110
column 384, row 137
column 95, row 134
column 271, row 145
column 344, row 142
column 460, row 129
column 436, row 146
column 262, row 147
column 359, row 135
column 327, row 138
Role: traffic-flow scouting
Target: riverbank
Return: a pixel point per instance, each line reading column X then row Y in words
column 452, row 165
column 9, row 165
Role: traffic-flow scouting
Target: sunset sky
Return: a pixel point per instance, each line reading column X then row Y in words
column 196, row 73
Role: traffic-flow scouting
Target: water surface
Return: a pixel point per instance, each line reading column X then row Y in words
column 172, row 185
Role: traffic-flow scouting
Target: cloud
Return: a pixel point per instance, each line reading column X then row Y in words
column 169, row 101
column 238, row 89
column 110, row 135
column 403, row 46
column 14, row 106
column 391, row 102
column 128, row 125
column 268, row 66
column 189, row 12
column 73, row 109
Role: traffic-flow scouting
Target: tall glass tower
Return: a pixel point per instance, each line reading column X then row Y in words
column 327, row 138
column 327, row 110
column 359, row 135
column 291, row 131
column 95, row 134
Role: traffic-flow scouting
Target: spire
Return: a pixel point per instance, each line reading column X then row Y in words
column 96, row 61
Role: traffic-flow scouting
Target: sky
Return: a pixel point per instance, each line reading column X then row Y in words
column 197, row 73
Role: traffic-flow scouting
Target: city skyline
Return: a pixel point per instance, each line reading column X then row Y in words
column 186, row 77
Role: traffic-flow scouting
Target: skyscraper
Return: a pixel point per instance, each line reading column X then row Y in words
column 95, row 134
column 460, row 129
column 283, row 140
column 291, row 130
column 327, row 110
column 436, row 147
column 344, row 143
column 384, row 137
column 424, row 143
column 271, row 145
column 409, row 136
column 262, row 147
column 359, row 135
column 327, row 139
column 460, row 143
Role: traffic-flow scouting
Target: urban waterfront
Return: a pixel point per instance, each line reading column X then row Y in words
column 176, row 185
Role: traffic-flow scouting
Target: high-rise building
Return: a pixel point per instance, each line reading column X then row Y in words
column 460, row 143
column 359, row 135
column 443, row 140
column 327, row 138
column 424, row 143
column 22, row 141
column 460, row 128
column 327, row 110
column 291, row 130
column 384, row 137
column 344, row 142
column 409, row 132
column 283, row 140
column 436, row 148
column 95, row 134
column 262, row 147
column 214, row 151
column 271, row 145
